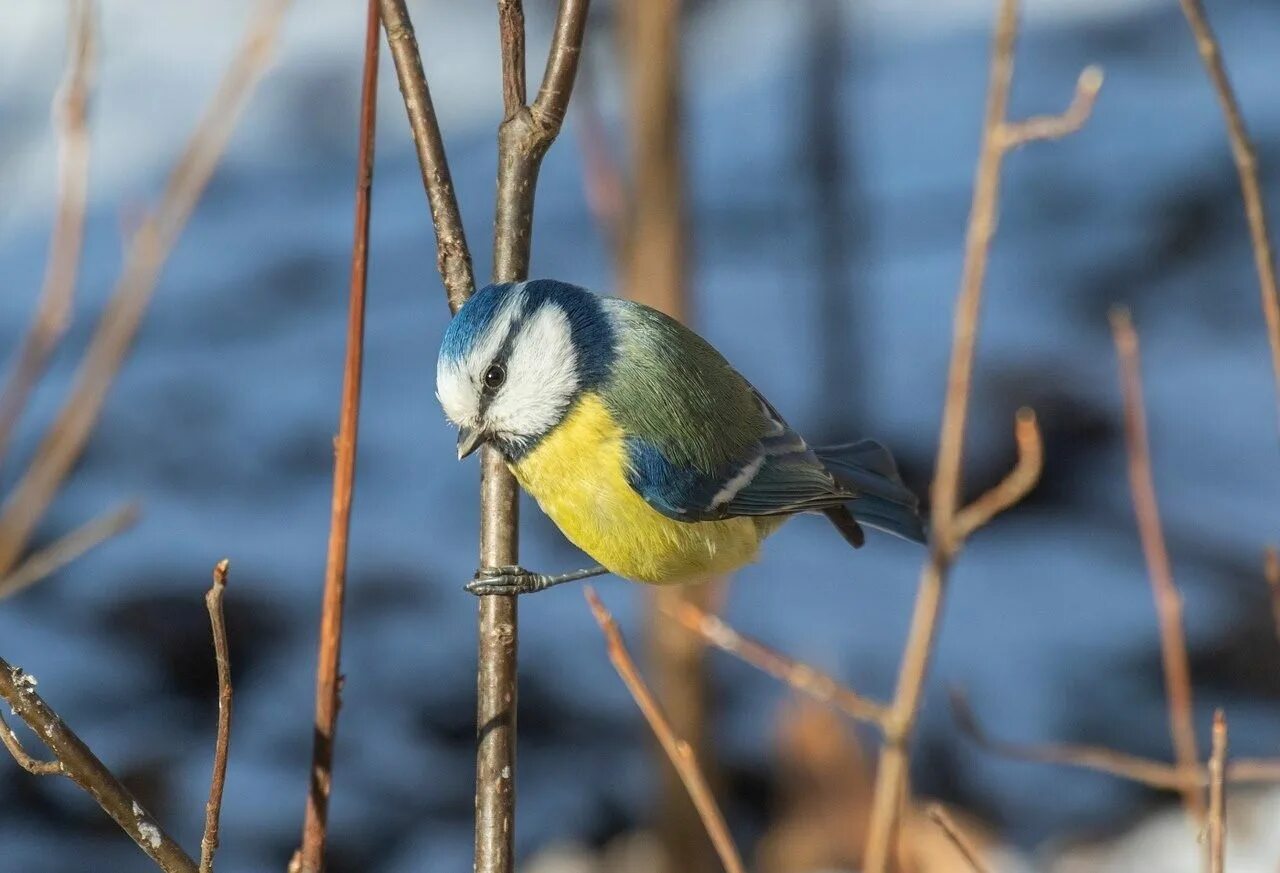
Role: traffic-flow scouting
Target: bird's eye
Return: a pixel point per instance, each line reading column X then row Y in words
column 494, row 377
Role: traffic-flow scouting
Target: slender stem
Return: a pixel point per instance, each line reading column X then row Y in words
column 222, row 655
column 1246, row 160
column 680, row 753
column 948, row 522
column 148, row 250
column 938, row 815
column 80, row 765
column 67, row 548
column 453, row 257
column 1217, row 850
column 511, row 31
column 311, row 856
column 1168, row 602
column 71, row 109
column 1160, row 775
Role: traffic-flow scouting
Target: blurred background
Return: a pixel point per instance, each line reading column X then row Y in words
column 828, row 152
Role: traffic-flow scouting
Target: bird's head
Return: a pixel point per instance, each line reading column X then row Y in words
column 516, row 357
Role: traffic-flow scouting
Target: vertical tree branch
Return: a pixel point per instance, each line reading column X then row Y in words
column 148, row 250
column 1246, row 160
column 222, row 654
column 1217, row 849
column 81, row 766
column 71, row 109
column 523, row 138
column 1168, row 602
column 311, row 854
column 681, row 754
column 999, row 136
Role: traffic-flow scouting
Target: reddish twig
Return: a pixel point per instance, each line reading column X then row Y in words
column 800, row 676
column 1160, row 775
column 678, row 751
column 147, row 253
column 71, row 109
column 939, row 816
column 62, row 551
column 1271, row 569
column 311, row 853
column 78, row 763
column 1015, row 486
column 1173, row 641
column 1218, row 795
column 222, row 656
column 999, row 135
column 1246, row 160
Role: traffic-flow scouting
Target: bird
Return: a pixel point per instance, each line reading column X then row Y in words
column 648, row 450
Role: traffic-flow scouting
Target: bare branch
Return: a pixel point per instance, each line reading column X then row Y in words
column 802, row 677
column 222, row 655
column 311, row 854
column 79, row 764
column 1045, row 127
column 62, row 551
column 1271, row 569
column 1246, row 160
column 147, row 253
column 1144, row 771
column 939, row 816
column 511, row 32
column 71, row 109
column 562, row 66
column 34, row 766
column 453, row 258
column 1173, row 641
column 1015, row 486
column 1218, row 795
column 681, row 754
column 947, row 533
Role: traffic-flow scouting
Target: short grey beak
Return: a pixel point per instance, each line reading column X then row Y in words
column 469, row 439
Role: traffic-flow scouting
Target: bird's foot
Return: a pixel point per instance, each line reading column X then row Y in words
column 511, row 580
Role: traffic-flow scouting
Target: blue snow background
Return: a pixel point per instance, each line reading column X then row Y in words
column 220, row 424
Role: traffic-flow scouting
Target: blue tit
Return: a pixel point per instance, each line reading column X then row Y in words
column 640, row 441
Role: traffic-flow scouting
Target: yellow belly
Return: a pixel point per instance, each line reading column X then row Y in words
column 578, row 476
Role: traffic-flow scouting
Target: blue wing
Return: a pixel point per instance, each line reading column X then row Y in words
column 781, row 475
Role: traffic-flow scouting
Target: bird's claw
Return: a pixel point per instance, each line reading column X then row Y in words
column 508, row 581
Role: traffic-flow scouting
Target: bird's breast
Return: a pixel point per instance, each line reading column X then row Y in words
column 578, row 476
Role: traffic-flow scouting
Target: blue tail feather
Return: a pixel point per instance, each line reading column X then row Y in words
column 883, row 501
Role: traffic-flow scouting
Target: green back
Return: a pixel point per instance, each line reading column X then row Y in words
column 672, row 388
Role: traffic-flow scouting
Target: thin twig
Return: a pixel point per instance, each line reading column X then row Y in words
column 79, row 764
column 1160, row 775
column 67, row 548
column 939, row 816
column 800, row 676
column 946, row 533
column 1173, row 640
column 511, row 32
column 311, row 854
column 1015, row 486
column 32, row 765
column 453, row 257
column 1218, row 795
column 1047, row 127
column 148, row 250
column 681, row 754
column 222, row 656
column 1271, row 569
column 53, row 312
column 1246, row 160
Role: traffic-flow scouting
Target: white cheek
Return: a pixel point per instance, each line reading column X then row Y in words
column 457, row 396
column 541, row 377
